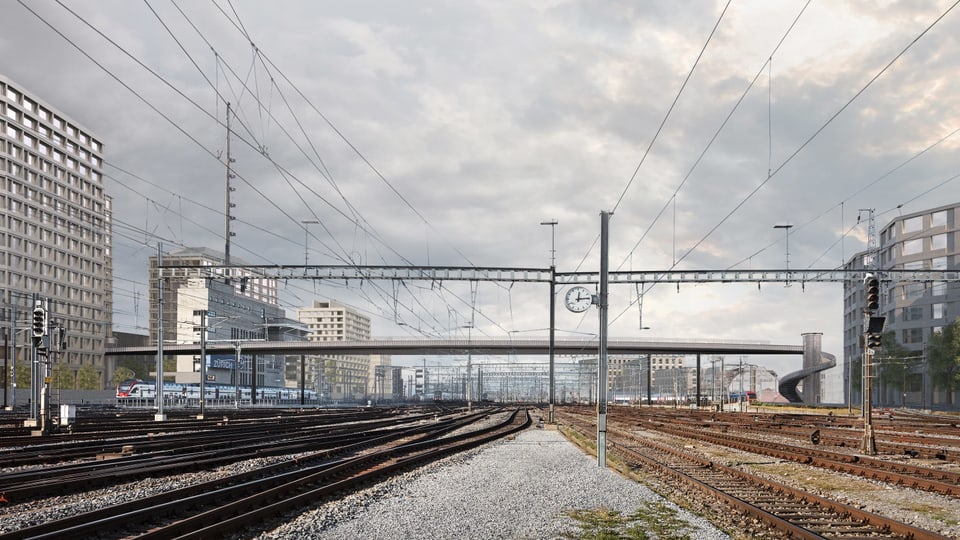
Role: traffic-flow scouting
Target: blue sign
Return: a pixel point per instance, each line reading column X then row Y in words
column 221, row 361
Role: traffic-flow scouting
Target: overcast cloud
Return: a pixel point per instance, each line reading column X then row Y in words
column 450, row 130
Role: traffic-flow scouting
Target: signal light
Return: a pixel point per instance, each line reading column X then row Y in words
column 873, row 293
column 39, row 322
column 874, row 341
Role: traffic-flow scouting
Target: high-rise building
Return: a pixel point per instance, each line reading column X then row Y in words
column 55, row 229
column 913, row 310
column 340, row 376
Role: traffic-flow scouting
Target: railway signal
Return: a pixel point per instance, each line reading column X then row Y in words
column 39, row 324
column 875, row 332
column 873, row 293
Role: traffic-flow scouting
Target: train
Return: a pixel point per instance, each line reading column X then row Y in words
column 138, row 389
column 749, row 396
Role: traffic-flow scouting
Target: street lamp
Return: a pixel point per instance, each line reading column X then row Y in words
column 786, row 228
column 553, row 308
column 306, row 237
column 553, row 247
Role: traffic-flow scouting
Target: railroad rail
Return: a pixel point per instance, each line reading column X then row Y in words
column 216, row 508
column 794, row 512
column 185, row 452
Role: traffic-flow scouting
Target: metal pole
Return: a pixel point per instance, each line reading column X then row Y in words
column 306, row 237
column 698, row 380
column 303, row 379
column 602, row 367
column 553, row 312
column 43, row 370
column 158, row 394
column 649, row 379
column 13, row 356
column 203, row 362
column 34, row 376
column 469, row 365
column 868, row 445
column 553, row 325
column 6, row 368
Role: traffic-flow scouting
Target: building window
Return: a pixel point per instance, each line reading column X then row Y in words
column 939, row 311
column 939, row 288
column 938, row 263
column 913, row 224
column 938, row 241
column 913, row 290
column 912, row 247
column 938, row 219
column 912, row 335
column 913, row 313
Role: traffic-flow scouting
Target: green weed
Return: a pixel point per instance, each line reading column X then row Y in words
column 655, row 521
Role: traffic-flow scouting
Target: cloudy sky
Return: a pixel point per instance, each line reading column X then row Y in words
column 444, row 132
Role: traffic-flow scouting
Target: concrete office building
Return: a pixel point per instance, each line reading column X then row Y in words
column 339, row 377
column 925, row 240
column 55, row 229
column 244, row 306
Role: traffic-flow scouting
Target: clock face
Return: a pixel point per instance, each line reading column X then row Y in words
column 579, row 299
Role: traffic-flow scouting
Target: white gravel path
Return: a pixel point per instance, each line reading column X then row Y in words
column 513, row 489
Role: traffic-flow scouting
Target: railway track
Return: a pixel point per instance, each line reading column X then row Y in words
column 926, row 439
column 795, row 513
column 215, row 508
column 895, row 473
column 192, row 451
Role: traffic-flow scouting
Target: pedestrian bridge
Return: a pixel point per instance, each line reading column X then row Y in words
column 406, row 346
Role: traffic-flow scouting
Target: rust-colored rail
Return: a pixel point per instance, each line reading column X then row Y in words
column 796, row 513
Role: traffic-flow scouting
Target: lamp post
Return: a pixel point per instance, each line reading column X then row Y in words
column 553, row 308
column 786, row 229
column 306, row 237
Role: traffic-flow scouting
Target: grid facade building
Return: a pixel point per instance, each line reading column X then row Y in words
column 925, row 240
column 340, row 376
column 55, row 229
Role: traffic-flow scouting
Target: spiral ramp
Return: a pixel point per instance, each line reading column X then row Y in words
column 814, row 361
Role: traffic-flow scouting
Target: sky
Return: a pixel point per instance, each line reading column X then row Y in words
column 444, row 133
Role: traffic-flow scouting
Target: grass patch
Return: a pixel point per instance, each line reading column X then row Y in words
column 934, row 512
column 655, row 521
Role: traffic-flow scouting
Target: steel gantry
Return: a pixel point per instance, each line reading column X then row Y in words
column 546, row 275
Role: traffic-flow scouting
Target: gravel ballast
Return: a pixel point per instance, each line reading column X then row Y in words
column 522, row 488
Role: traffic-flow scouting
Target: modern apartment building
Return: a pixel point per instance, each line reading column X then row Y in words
column 55, row 229
column 627, row 376
column 341, row 376
column 914, row 310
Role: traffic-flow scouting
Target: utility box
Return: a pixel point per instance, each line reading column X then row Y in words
column 68, row 413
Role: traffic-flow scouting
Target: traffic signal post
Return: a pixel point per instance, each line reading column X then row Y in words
column 39, row 386
column 873, row 331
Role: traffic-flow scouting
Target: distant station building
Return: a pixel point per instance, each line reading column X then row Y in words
column 55, row 229
column 239, row 308
column 913, row 311
column 339, row 377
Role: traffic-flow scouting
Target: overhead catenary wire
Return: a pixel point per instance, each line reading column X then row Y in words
column 809, row 139
column 146, row 101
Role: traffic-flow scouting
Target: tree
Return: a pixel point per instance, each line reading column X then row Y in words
column 88, row 378
column 894, row 362
column 60, row 376
column 944, row 353
column 121, row 374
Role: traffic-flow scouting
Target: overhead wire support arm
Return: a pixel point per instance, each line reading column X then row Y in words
column 545, row 275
